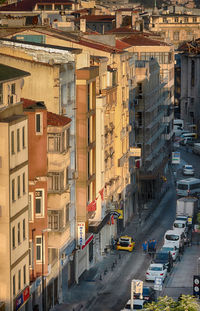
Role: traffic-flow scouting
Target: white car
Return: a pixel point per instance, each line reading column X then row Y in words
column 138, row 304
column 180, row 225
column 172, row 249
column 188, row 170
column 156, row 270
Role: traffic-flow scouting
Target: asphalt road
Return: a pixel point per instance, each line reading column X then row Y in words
column 116, row 292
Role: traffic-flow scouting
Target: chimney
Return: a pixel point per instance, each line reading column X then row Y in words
column 133, row 19
column 83, row 24
column 118, row 19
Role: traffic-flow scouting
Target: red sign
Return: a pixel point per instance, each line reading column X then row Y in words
column 112, row 219
column 26, row 294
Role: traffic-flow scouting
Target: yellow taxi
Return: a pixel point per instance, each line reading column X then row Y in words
column 125, row 243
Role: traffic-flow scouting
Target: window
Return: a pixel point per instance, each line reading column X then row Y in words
column 18, row 187
column 24, row 229
column 13, row 237
column 39, row 248
column 18, row 140
column 88, row 97
column 57, row 6
column 38, row 123
column 30, row 253
column 24, row 184
column 13, row 88
column 23, row 137
column 19, row 280
column 1, row 93
column 12, row 143
column 176, row 19
column 56, row 181
column 13, row 190
column 40, row 7
column 39, row 203
column 30, row 206
column 67, row 138
column 66, row 177
column 192, row 72
column 18, row 233
column 67, row 213
column 194, row 19
column 24, row 272
column 54, row 220
column 14, row 289
column 176, row 35
column 185, row 20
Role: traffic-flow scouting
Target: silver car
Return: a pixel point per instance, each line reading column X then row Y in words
column 188, row 170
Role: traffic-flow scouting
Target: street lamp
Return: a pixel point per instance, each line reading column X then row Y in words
column 43, row 291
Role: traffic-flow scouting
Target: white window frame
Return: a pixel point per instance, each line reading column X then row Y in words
column 41, row 123
column 30, row 207
column 40, row 215
column 36, row 244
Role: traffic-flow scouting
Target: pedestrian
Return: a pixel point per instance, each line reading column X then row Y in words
column 150, row 247
column 153, row 246
column 145, row 246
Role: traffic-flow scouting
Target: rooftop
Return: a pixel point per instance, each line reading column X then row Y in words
column 29, row 104
column 8, row 73
column 142, row 40
column 54, row 119
column 28, row 5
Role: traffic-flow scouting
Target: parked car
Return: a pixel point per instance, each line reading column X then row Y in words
column 138, row 304
column 188, row 170
column 174, row 238
column 156, row 270
column 172, row 249
column 180, row 225
column 165, row 258
column 125, row 243
column 148, row 294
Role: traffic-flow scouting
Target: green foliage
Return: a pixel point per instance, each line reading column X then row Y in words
column 2, row 1
column 185, row 303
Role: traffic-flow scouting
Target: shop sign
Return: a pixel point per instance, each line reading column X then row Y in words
column 120, row 211
column 176, row 157
column 21, row 298
column 81, row 233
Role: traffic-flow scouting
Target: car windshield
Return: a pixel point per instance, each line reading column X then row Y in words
column 178, row 225
column 167, row 249
column 123, row 241
column 188, row 167
column 182, row 187
column 155, row 268
column 162, row 256
column 172, row 237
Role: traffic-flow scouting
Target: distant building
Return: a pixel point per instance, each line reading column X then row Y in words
column 176, row 26
column 190, row 86
column 14, row 232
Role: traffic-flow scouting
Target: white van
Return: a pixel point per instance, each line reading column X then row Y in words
column 175, row 238
column 180, row 225
column 178, row 123
column 189, row 135
column 188, row 186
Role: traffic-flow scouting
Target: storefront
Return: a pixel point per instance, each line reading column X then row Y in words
column 21, row 301
column 84, row 255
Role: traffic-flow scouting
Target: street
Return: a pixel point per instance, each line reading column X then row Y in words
column 116, row 292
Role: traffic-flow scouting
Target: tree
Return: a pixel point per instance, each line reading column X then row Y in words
column 184, row 303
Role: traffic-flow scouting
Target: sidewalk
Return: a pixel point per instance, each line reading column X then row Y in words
column 93, row 281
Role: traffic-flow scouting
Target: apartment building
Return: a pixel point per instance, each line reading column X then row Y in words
column 176, row 26
column 189, row 99
column 149, row 126
column 38, row 236
column 61, row 215
column 145, row 48
column 118, row 59
column 14, row 229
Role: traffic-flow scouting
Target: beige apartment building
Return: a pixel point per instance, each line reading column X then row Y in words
column 14, row 232
column 177, row 26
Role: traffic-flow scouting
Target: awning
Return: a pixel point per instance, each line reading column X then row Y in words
column 96, row 226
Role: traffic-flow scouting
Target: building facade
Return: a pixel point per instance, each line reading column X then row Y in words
column 14, row 259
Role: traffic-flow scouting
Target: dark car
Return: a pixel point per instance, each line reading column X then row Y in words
column 165, row 258
column 149, row 294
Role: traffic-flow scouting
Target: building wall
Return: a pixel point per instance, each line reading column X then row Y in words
column 36, row 89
